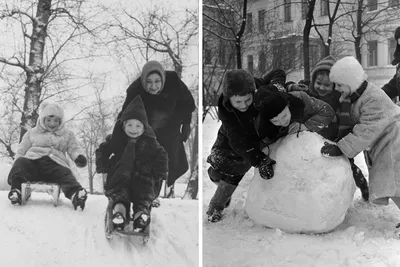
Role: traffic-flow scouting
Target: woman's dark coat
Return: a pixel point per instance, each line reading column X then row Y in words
column 166, row 112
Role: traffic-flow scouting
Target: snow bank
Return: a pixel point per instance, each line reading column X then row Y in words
column 4, row 170
column 309, row 193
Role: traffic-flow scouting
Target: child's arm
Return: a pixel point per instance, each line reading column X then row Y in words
column 102, row 156
column 320, row 113
column 371, row 124
column 24, row 146
column 160, row 162
column 73, row 147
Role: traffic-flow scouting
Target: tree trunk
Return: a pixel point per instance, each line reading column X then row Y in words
column 357, row 38
column 35, row 68
column 306, row 39
column 193, row 185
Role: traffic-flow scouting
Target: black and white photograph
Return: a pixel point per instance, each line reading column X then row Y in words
column 301, row 133
column 99, row 133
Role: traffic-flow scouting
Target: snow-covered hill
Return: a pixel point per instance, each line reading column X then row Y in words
column 366, row 238
column 40, row 235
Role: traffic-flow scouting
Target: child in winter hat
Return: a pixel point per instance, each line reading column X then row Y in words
column 377, row 130
column 41, row 156
column 139, row 163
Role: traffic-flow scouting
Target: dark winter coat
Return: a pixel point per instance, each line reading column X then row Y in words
column 392, row 88
column 237, row 146
column 166, row 112
column 313, row 113
column 136, row 165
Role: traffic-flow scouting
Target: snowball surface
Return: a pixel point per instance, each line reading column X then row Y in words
column 309, row 193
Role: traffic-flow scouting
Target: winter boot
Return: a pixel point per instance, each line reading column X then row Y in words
column 140, row 221
column 119, row 216
column 15, row 196
column 215, row 177
column 219, row 201
column 156, row 203
column 79, row 198
column 360, row 180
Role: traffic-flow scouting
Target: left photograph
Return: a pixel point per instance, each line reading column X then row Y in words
column 99, row 133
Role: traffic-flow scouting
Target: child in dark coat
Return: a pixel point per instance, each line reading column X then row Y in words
column 138, row 163
column 41, row 156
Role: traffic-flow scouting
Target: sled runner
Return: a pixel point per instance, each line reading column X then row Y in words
column 50, row 188
column 110, row 230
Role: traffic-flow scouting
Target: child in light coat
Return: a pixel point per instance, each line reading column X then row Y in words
column 135, row 164
column 41, row 156
column 377, row 130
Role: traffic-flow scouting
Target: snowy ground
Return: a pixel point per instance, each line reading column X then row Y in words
column 38, row 234
column 366, row 237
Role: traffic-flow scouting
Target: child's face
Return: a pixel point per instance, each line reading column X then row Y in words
column 241, row 103
column 52, row 123
column 133, row 128
column 283, row 118
column 323, row 85
column 344, row 90
column 154, row 83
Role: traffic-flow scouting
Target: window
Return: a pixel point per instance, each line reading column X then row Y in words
column 250, row 64
column 287, row 11
column 394, row 3
column 324, row 7
column 391, row 48
column 262, row 63
column 222, row 54
column 249, row 22
column 284, row 56
column 207, row 56
column 372, row 5
column 372, row 53
column 304, row 9
column 261, row 20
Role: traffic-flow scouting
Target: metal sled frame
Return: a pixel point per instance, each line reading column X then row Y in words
column 110, row 231
column 50, row 188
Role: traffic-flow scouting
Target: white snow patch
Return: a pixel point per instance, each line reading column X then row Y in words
column 308, row 193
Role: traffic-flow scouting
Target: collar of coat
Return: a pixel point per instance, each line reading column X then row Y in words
column 42, row 129
column 356, row 95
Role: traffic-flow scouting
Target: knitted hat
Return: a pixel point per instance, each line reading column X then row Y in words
column 324, row 64
column 274, row 74
column 348, row 71
column 271, row 105
column 47, row 109
column 238, row 82
column 136, row 110
column 150, row 67
column 396, row 54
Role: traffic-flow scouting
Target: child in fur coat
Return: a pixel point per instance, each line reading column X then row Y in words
column 137, row 166
column 41, row 156
column 377, row 130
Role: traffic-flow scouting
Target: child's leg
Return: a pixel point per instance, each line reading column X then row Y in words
column 22, row 170
column 54, row 173
column 360, row 180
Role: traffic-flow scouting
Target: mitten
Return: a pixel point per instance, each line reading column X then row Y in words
column 81, row 161
column 265, row 168
column 185, row 132
column 331, row 150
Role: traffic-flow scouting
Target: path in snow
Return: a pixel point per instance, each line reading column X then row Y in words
column 38, row 234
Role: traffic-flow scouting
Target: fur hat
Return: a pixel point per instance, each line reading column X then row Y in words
column 275, row 74
column 238, row 82
column 136, row 110
column 47, row 109
column 270, row 104
column 396, row 54
column 150, row 67
column 348, row 71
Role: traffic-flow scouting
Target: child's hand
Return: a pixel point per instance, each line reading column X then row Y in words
column 81, row 161
column 331, row 150
column 266, row 169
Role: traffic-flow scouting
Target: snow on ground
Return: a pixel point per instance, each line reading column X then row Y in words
column 366, row 237
column 39, row 234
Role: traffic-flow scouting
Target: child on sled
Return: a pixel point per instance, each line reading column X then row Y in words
column 41, row 156
column 135, row 163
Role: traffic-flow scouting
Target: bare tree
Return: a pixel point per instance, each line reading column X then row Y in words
column 47, row 37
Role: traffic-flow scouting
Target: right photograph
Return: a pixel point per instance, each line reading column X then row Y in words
column 301, row 133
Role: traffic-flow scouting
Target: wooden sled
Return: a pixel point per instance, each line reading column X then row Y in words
column 50, row 188
column 110, row 230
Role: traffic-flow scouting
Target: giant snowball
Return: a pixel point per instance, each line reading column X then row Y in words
column 309, row 193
